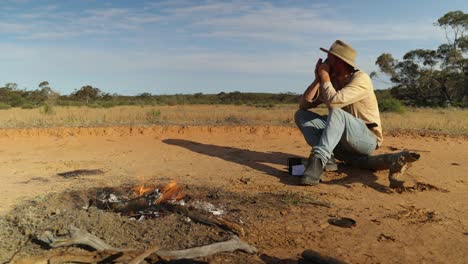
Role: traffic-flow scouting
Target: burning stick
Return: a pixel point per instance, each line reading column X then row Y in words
column 142, row 190
column 172, row 191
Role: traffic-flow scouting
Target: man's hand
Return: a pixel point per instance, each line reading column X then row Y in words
column 317, row 66
column 323, row 71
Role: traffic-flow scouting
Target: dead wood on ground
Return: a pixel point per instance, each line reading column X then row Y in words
column 201, row 217
column 109, row 254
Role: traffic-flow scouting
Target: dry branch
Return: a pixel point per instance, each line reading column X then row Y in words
column 200, row 217
column 105, row 251
column 227, row 246
column 76, row 236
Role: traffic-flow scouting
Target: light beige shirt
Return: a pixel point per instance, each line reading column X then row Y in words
column 357, row 97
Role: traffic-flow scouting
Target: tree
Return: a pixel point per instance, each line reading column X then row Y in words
column 11, row 86
column 433, row 77
column 44, row 84
column 47, row 94
column 87, row 93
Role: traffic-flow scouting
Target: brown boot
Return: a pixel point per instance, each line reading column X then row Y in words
column 330, row 166
column 313, row 171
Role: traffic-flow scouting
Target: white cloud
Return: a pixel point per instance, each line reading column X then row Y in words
column 7, row 27
column 249, row 20
column 283, row 23
column 53, row 23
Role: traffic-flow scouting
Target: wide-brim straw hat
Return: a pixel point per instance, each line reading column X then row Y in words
column 343, row 51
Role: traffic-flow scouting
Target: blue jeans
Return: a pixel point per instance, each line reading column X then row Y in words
column 339, row 134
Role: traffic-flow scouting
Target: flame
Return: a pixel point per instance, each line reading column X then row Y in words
column 142, row 190
column 172, row 191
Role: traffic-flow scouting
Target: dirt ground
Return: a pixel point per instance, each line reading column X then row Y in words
column 245, row 167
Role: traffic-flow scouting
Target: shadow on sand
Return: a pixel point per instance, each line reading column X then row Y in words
column 356, row 175
column 253, row 159
column 258, row 161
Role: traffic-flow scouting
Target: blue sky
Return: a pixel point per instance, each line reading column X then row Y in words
column 179, row 46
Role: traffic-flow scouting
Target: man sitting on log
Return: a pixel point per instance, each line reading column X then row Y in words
column 352, row 129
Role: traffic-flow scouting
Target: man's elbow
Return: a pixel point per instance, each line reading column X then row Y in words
column 304, row 105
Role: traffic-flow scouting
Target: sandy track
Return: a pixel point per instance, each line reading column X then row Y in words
column 411, row 227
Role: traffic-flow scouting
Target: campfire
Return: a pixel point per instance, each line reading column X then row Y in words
column 145, row 202
column 142, row 201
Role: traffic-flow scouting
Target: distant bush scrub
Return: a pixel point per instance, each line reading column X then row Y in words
column 11, row 96
column 4, row 106
column 391, row 105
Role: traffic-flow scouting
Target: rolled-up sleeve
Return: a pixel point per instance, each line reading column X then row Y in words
column 356, row 90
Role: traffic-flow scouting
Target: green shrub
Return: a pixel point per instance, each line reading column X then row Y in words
column 391, row 105
column 153, row 116
column 48, row 109
column 16, row 100
column 4, row 106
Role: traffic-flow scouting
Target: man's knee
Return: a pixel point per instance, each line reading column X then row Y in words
column 299, row 117
column 336, row 112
